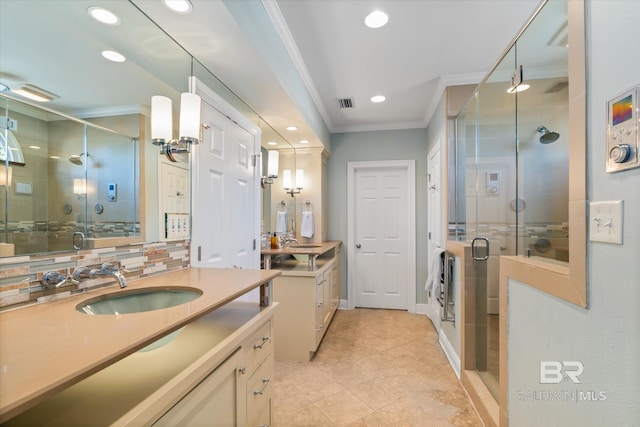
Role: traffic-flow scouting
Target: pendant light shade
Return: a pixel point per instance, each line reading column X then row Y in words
column 273, row 163
column 189, row 118
column 161, row 126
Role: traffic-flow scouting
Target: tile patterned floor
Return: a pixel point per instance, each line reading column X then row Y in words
column 374, row 368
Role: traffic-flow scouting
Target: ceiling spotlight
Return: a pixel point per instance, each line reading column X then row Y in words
column 378, row 98
column 114, row 56
column 376, row 19
column 103, row 15
column 272, row 143
column 304, row 141
column 35, row 93
column 291, row 128
column 179, row 6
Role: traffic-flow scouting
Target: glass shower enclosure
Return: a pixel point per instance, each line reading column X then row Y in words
column 511, row 169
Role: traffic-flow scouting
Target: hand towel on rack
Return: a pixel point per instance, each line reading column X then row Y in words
column 306, row 228
column 433, row 280
column 281, row 222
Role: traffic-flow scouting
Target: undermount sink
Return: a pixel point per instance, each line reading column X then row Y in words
column 138, row 300
column 305, row 246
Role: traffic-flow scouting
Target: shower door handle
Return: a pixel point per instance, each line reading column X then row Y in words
column 474, row 249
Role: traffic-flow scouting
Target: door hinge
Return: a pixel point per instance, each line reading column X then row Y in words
column 429, row 235
column 254, row 244
column 199, row 253
column 255, row 159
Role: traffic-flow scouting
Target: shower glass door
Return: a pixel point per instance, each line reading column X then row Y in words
column 492, row 171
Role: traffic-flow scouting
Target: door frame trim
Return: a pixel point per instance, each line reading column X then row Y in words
column 410, row 167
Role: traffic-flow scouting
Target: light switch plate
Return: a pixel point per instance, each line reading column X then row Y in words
column 605, row 222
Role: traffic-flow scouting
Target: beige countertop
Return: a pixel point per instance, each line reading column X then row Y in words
column 47, row 347
column 318, row 249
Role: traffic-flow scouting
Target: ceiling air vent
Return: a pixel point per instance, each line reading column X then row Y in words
column 345, row 102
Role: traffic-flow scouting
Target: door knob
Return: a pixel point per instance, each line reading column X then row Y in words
column 358, row 245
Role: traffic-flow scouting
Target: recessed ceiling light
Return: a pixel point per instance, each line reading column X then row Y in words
column 291, row 128
column 103, row 15
column 114, row 56
column 54, row 157
column 304, row 141
column 378, row 98
column 376, row 19
column 520, row 88
column 35, row 147
column 180, row 6
column 272, row 143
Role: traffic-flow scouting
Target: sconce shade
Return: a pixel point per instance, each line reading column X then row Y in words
column 286, row 179
column 161, row 121
column 5, row 175
column 189, row 117
column 299, row 179
column 273, row 163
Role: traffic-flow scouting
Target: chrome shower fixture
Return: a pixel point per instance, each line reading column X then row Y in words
column 76, row 159
column 547, row 136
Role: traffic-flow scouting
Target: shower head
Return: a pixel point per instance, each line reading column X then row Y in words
column 76, row 159
column 547, row 136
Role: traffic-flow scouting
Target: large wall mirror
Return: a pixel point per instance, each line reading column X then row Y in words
column 68, row 66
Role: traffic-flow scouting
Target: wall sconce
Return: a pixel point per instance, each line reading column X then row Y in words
column 5, row 176
column 162, row 124
column 289, row 187
column 272, row 168
column 79, row 187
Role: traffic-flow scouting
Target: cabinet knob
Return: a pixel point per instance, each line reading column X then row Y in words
column 358, row 245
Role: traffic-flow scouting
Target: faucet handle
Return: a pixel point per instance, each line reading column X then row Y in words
column 53, row 279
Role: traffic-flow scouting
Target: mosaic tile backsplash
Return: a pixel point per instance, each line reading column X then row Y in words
column 20, row 276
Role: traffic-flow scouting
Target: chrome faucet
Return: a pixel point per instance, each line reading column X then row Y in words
column 289, row 240
column 106, row 269
column 53, row 279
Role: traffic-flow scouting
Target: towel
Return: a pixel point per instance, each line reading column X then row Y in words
column 433, row 280
column 306, row 228
column 281, row 222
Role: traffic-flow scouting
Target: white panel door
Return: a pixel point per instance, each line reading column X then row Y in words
column 434, row 224
column 224, row 203
column 381, row 238
column 174, row 190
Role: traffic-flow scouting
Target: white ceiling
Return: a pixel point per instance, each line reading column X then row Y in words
column 426, row 45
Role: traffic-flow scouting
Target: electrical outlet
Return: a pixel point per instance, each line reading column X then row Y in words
column 605, row 222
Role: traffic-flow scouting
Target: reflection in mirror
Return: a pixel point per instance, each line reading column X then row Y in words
column 77, row 178
column 278, row 208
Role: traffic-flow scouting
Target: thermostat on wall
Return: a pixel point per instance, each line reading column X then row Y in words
column 622, row 132
column 112, row 189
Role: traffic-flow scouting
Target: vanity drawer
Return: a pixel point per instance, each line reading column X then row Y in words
column 258, row 345
column 258, row 392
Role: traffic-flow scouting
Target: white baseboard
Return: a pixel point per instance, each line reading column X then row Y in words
column 454, row 359
column 343, row 305
column 422, row 309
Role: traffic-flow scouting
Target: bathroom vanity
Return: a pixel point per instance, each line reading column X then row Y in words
column 308, row 298
column 210, row 358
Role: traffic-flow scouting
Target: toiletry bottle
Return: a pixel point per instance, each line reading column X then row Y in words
column 274, row 241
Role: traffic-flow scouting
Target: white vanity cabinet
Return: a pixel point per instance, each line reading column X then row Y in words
column 236, row 393
column 307, row 303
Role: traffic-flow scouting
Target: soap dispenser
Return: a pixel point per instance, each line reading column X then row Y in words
column 274, row 242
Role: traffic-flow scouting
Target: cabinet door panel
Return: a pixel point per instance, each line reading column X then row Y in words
column 213, row 402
